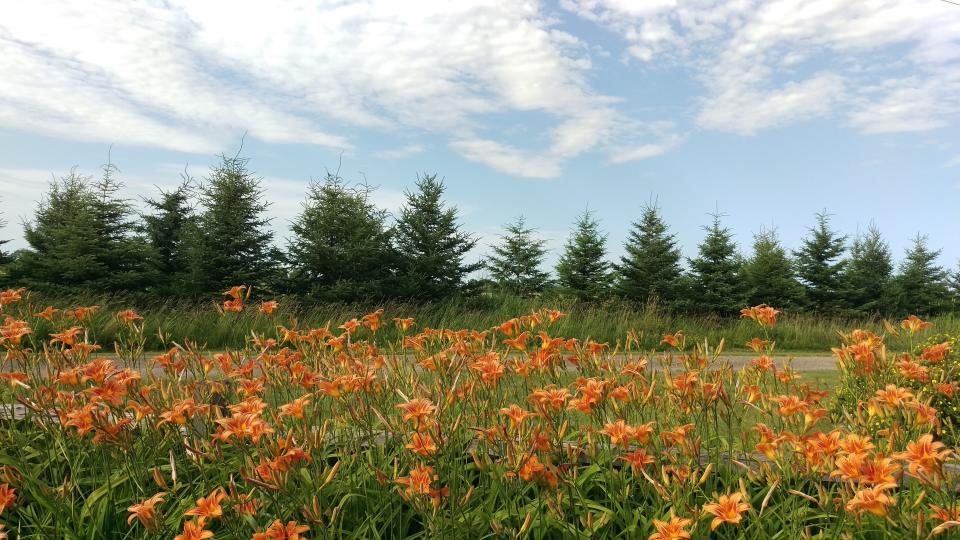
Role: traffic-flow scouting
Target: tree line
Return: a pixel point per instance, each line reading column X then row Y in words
column 204, row 236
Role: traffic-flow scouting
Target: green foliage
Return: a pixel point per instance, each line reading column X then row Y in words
column 820, row 267
column 716, row 284
column 768, row 275
column 953, row 286
column 432, row 245
column 583, row 270
column 866, row 278
column 341, row 245
column 83, row 237
column 232, row 244
column 168, row 225
column 515, row 262
column 920, row 285
column 650, row 269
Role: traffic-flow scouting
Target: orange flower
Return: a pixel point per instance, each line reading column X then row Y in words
column 913, row 324
column 924, row 456
column 619, row 432
column 128, row 316
column 519, row 343
column 422, row 444
column 146, row 512
column 419, row 480
column 234, row 305
column 758, row 345
column 936, row 353
column 417, row 410
column 727, row 509
column 209, row 506
column 296, row 408
column 47, row 313
column 516, row 415
column 638, row 459
column 193, row 530
column 279, row 531
column 8, row 496
column 11, row 296
column 372, row 320
column 675, row 529
column 873, row 500
column 674, row 340
column 235, row 292
column 403, row 324
column 763, row 315
column 268, row 307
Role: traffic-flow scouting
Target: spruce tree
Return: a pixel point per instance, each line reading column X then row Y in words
column 83, row 238
column 341, row 246
column 953, row 284
column 516, row 260
column 866, row 278
column 432, row 245
column 715, row 272
column 768, row 276
column 583, row 270
column 168, row 226
column 5, row 257
column 920, row 286
column 650, row 269
column 820, row 267
column 233, row 245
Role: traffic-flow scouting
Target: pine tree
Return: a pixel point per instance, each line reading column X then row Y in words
column 820, row 267
column 432, row 245
column 515, row 263
column 168, row 226
column 650, row 270
column 715, row 272
column 341, row 246
column 866, row 278
column 83, row 238
column 920, row 286
column 583, row 270
column 768, row 276
column 233, row 245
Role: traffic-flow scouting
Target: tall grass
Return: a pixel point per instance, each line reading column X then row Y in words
column 201, row 323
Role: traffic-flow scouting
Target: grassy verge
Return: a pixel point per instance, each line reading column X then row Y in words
column 608, row 322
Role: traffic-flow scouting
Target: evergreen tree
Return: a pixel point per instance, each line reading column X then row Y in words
column 866, row 278
column 83, row 237
column 715, row 272
column 920, row 286
column 650, row 270
column 820, row 267
column 232, row 245
column 432, row 245
column 515, row 263
column 953, row 284
column 582, row 269
column 341, row 246
column 168, row 226
column 5, row 258
column 768, row 276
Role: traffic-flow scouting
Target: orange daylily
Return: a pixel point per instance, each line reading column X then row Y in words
column 208, row 507
column 727, row 509
column 145, row 511
column 675, row 529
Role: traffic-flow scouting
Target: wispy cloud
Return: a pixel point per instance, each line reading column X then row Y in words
column 755, row 58
column 191, row 76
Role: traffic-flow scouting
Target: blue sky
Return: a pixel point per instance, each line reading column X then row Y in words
column 766, row 110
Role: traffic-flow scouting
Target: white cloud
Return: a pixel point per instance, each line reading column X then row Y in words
column 192, row 76
column 507, row 159
column 753, row 58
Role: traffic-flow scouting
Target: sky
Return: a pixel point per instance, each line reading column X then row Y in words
column 766, row 111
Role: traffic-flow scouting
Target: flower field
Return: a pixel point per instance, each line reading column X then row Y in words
column 502, row 432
